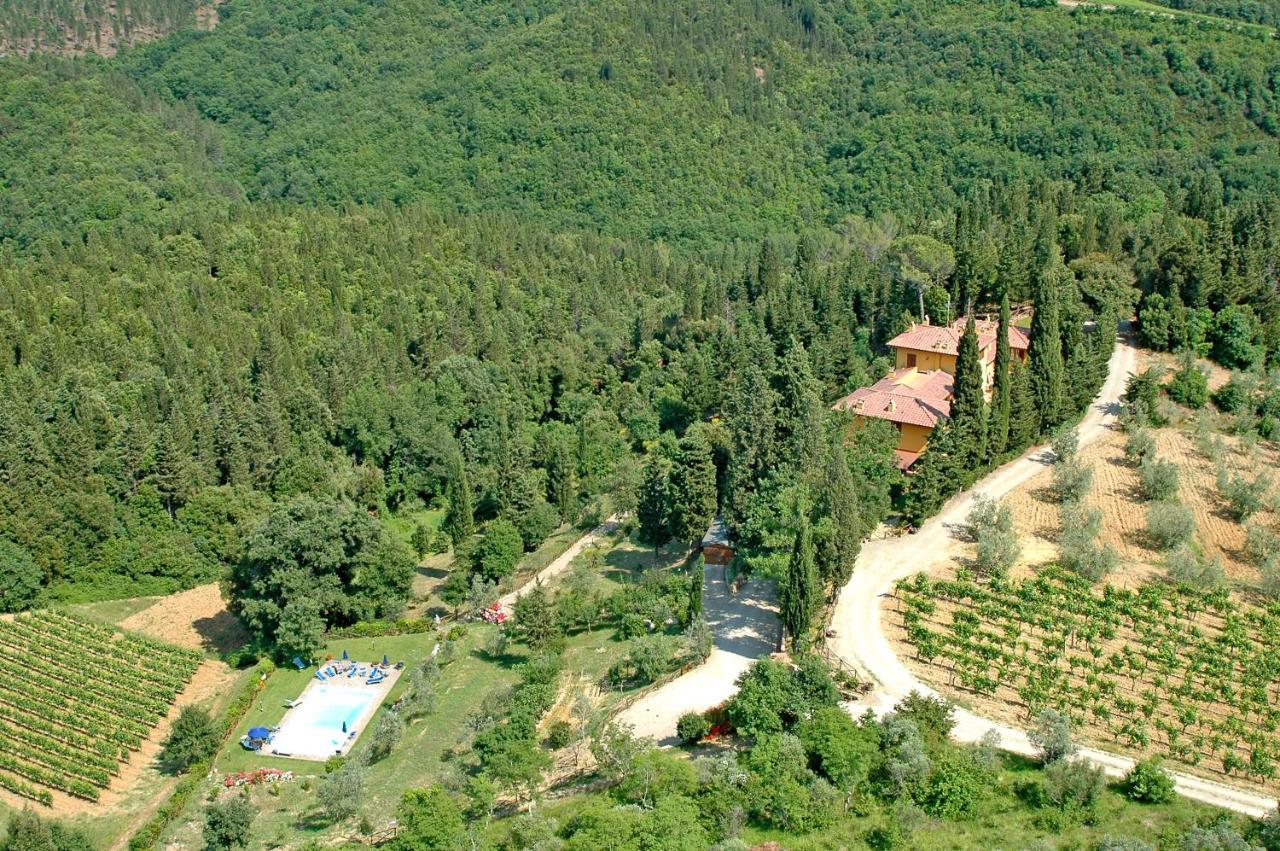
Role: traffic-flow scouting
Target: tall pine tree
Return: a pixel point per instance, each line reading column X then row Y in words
column 841, row 503
column 800, row 591
column 1001, row 399
column 693, row 488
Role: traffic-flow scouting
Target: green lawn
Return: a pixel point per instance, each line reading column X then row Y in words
column 111, row 612
column 402, row 524
column 428, row 747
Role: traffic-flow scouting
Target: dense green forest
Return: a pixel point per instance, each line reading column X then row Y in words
column 1253, row 11
column 88, row 25
column 413, row 253
column 693, row 123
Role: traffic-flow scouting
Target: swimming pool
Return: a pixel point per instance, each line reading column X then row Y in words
column 323, row 724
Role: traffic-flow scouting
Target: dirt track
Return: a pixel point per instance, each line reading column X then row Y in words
column 745, row 626
column 861, row 642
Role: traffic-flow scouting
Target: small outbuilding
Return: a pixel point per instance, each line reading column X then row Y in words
column 716, row 548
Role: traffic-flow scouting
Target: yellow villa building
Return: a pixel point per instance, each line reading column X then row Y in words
column 916, row 395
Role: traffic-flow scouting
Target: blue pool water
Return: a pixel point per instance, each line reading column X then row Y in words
column 340, row 707
column 314, row 729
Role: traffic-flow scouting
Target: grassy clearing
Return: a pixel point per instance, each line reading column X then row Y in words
column 1170, row 12
column 429, row 746
column 112, row 612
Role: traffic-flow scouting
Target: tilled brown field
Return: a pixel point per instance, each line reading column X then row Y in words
column 1124, row 515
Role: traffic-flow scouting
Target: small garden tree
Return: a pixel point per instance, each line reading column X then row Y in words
column 1157, row 480
column 194, row 737
column 1170, row 524
column 1148, row 783
column 227, row 823
column 1051, row 736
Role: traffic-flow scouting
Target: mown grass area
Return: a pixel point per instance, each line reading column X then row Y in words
column 402, row 524
column 291, row 818
column 112, row 612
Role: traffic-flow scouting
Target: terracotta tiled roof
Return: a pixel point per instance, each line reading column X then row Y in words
column 905, row 396
column 905, row 459
column 945, row 339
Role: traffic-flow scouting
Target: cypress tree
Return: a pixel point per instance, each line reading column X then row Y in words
column 1045, row 355
column 967, row 403
column 844, row 507
column 937, row 475
column 799, row 593
column 693, row 488
column 459, row 518
column 653, row 511
column 1023, row 418
column 998, row 426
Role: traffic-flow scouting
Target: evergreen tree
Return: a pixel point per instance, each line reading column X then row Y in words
column 693, row 488
column 653, row 512
column 1024, row 420
column 936, row 476
column 1001, row 400
column 967, row 403
column 1045, row 355
column 459, row 518
column 801, row 590
column 842, row 504
column 800, row 412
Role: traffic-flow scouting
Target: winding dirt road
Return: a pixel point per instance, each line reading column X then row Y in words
column 745, row 626
column 860, row 642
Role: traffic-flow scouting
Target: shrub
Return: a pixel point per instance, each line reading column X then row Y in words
column 386, row 736
column 1190, row 386
column 227, row 825
column 1236, row 395
column 1142, row 392
column 1157, row 480
column 1148, row 783
column 1220, row 836
column 1123, row 843
column 1051, row 736
column 1261, row 545
column 1139, row 445
column 1170, row 524
column 1065, row 445
column 1187, row 567
column 692, row 727
column 1243, row 498
column 559, row 735
column 193, row 738
column 1073, row 786
column 956, row 786
column 1072, row 480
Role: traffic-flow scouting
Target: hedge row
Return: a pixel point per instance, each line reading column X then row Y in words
column 149, row 834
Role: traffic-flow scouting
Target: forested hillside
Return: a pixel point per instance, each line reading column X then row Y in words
column 91, row 26
column 378, row 250
column 694, row 123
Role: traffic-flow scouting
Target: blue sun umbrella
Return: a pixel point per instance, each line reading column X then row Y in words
column 345, row 657
column 385, row 660
column 344, row 726
column 259, row 732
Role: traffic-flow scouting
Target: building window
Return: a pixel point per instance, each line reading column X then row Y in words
column 911, row 361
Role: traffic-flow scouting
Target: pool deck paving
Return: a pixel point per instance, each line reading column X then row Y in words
column 301, row 745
